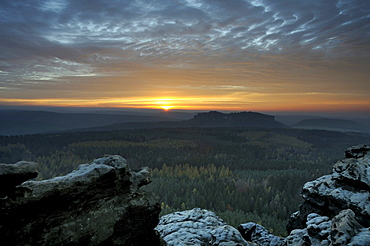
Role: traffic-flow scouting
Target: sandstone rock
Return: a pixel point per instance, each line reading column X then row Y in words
column 330, row 197
column 298, row 237
column 317, row 232
column 97, row 204
column 348, row 187
column 353, row 173
column 344, row 228
column 357, row 151
column 318, row 227
column 15, row 174
column 197, row 227
column 361, row 239
column 226, row 236
column 256, row 233
column 337, row 206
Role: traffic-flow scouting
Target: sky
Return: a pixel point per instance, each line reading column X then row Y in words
column 241, row 55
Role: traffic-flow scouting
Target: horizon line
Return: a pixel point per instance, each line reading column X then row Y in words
column 83, row 109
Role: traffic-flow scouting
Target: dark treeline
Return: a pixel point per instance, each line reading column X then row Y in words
column 243, row 174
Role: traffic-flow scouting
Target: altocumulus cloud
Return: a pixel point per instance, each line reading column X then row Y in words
column 56, row 42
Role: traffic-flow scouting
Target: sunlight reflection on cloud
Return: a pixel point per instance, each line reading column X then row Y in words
column 224, row 45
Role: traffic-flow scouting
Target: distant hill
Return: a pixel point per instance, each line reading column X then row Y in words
column 209, row 119
column 332, row 125
column 241, row 119
column 16, row 122
column 294, row 118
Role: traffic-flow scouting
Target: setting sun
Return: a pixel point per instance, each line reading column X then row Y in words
column 166, row 107
column 216, row 60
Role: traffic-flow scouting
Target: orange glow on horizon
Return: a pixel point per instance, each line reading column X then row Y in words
column 196, row 103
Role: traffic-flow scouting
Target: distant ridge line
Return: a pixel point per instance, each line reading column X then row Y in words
column 206, row 119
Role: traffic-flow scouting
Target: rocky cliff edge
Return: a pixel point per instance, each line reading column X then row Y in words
column 101, row 204
column 335, row 212
column 97, row 204
column 336, row 207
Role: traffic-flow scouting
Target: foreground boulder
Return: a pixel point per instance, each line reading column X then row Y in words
column 197, row 227
column 97, row 204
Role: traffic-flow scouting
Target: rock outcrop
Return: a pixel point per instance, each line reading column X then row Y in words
column 343, row 229
column 101, row 204
column 97, row 204
column 336, row 207
column 253, row 232
column 197, row 227
column 348, row 187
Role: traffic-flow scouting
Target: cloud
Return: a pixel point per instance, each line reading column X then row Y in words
column 275, row 45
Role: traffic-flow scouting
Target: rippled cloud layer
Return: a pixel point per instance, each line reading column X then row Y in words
column 251, row 53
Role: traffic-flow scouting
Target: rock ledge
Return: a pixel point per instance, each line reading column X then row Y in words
column 97, row 204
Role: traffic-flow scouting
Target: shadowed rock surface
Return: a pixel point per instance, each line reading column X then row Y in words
column 15, row 174
column 253, row 232
column 97, row 204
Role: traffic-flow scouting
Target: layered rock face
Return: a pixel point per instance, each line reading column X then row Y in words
column 97, row 204
column 336, row 207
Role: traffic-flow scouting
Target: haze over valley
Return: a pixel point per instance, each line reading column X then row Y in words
column 18, row 122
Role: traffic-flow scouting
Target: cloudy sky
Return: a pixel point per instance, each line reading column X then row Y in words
column 259, row 55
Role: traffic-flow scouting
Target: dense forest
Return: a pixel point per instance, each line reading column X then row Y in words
column 243, row 174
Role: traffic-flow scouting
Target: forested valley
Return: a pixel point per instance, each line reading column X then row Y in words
column 243, row 174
